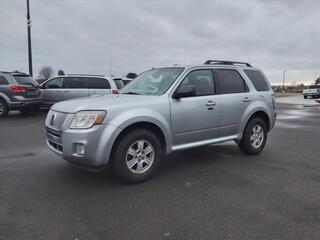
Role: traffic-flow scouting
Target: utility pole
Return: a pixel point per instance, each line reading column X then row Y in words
column 110, row 65
column 284, row 78
column 29, row 39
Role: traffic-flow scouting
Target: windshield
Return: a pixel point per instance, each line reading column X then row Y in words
column 25, row 80
column 152, row 82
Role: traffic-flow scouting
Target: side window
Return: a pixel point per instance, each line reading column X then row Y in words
column 99, row 83
column 258, row 80
column 76, row 82
column 3, row 81
column 202, row 80
column 54, row 83
column 230, row 81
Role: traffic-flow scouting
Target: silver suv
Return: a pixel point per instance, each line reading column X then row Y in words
column 161, row 111
column 72, row 86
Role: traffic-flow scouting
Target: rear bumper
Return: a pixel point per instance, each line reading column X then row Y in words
column 311, row 94
column 25, row 103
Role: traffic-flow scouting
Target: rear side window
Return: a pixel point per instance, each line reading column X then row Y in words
column 76, row 82
column 119, row 83
column 3, row 81
column 99, row 83
column 230, row 81
column 258, row 80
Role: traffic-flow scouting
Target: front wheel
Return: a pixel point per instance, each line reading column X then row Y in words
column 254, row 137
column 137, row 156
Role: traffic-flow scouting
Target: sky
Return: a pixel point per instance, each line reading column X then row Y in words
column 79, row 36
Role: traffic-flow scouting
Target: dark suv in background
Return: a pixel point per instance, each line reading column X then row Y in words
column 18, row 91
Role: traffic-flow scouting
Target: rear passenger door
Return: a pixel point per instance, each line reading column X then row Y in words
column 75, row 87
column 234, row 99
column 99, row 86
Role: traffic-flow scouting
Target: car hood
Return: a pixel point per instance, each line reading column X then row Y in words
column 98, row 102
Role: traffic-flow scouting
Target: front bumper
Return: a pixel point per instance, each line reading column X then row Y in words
column 97, row 142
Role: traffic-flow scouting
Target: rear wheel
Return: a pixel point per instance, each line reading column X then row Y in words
column 254, row 137
column 4, row 109
column 137, row 156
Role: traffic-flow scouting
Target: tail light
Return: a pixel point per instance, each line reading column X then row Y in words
column 115, row 91
column 18, row 89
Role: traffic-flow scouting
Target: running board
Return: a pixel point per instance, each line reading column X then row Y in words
column 205, row 142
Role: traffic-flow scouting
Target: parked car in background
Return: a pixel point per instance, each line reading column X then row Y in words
column 161, row 111
column 311, row 91
column 18, row 91
column 72, row 86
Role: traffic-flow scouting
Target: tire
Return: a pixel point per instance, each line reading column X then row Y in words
column 251, row 142
column 131, row 165
column 4, row 109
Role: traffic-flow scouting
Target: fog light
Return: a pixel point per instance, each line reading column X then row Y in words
column 78, row 149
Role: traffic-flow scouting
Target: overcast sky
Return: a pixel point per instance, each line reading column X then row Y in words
column 79, row 36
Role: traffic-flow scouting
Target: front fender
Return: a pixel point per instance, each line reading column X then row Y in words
column 139, row 115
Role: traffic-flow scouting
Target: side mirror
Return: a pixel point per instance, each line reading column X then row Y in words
column 42, row 86
column 185, row 91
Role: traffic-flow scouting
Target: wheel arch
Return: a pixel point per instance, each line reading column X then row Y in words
column 142, row 125
column 261, row 113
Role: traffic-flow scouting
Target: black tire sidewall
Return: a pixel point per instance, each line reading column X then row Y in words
column 119, row 156
column 245, row 144
column 6, row 109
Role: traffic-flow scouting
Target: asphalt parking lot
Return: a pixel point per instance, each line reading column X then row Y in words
column 213, row 192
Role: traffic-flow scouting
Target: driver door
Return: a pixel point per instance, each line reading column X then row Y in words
column 52, row 91
column 196, row 118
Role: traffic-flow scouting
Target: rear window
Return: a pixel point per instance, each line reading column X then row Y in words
column 125, row 82
column 25, row 80
column 99, row 83
column 3, row 81
column 258, row 80
column 119, row 83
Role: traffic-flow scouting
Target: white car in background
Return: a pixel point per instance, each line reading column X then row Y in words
column 311, row 91
column 73, row 86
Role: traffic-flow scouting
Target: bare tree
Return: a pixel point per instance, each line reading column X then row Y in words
column 45, row 72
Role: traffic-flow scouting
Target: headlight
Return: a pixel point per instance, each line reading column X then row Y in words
column 86, row 119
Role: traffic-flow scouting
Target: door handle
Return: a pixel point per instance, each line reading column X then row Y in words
column 246, row 99
column 66, row 91
column 210, row 103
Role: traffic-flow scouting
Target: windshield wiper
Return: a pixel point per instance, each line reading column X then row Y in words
column 132, row 93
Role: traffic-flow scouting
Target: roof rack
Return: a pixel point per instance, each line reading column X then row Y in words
column 227, row 62
column 83, row 74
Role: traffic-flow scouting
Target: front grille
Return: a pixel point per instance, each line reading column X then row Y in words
column 56, row 146
column 53, row 132
column 55, row 119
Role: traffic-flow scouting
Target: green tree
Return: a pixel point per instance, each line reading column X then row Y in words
column 318, row 80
